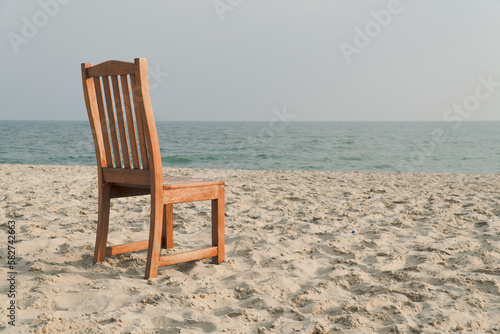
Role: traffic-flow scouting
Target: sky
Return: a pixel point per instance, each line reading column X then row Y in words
column 246, row 60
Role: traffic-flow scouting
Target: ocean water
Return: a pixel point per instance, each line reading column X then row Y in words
column 435, row 147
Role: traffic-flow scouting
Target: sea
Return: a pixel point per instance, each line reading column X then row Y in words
column 396, row 147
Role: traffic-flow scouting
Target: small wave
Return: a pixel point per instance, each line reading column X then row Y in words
column 351, row 158
column 313, row 146
column 382, row 167
column 177, row 160
column 209, row 158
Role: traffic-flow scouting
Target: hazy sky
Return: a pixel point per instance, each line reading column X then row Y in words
column 324, row 60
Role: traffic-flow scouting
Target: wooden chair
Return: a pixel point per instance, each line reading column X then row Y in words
column 129, row 164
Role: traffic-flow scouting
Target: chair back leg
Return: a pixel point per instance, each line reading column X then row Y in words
column 167, row 238
column 102, row 223
column 155, row 234
column 218, row 226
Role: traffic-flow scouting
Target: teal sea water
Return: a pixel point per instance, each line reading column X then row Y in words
column 435, row 147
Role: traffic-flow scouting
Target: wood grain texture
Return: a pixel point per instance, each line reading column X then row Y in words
column 168, row 260
column 112, row 122
column 167, row 238
column 177, row 182
column 126, row 176
column 102, row 224
column 127, row 102
column 192, row 194
column 111, row 67
column 218, row 213
column 90, row 97
column 121, row 121
column 155, row 167
column 129, row 164
column 155, row 230
column 103, row 122
column 149, row 126
column 126, row 248
column 136, row 95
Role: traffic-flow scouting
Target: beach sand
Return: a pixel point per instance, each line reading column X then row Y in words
column 306, row 252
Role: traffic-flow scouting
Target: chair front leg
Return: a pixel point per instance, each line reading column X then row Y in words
column 218, row 226
column 102, row 223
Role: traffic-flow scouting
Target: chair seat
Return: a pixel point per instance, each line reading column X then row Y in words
column 176, row 182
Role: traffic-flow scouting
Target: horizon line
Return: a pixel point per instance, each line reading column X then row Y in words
column 288, row 121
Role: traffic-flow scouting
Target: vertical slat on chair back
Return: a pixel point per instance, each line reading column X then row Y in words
column 140, row 126
column 119, row 121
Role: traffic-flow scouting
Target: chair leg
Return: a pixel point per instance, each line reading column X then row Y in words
column 155, row 231
column 102, row 223
column 218, row 226
column 167, row 238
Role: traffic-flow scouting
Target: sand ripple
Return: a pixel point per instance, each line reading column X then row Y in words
column 307, row 252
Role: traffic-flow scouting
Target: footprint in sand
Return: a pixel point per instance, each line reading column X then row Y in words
column 79, row 306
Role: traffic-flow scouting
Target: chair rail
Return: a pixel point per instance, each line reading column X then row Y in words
column 111, row 67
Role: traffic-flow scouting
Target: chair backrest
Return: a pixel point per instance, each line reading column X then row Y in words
column 122, row 122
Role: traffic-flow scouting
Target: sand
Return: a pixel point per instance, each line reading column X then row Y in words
column 307, row 252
